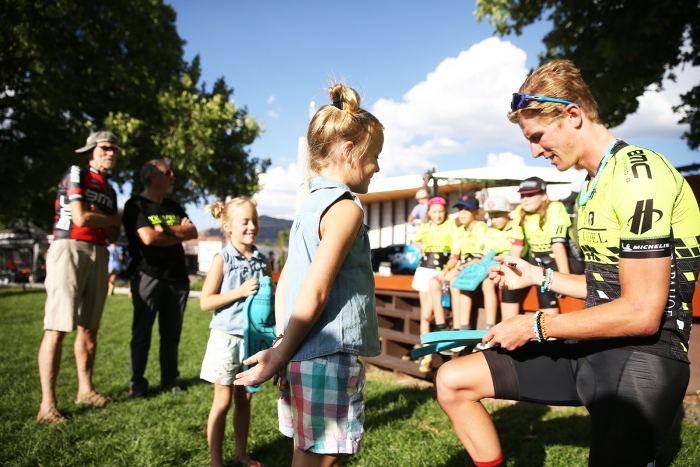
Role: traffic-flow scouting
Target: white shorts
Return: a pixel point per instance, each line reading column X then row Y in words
column 223, row 359
column 422, row 277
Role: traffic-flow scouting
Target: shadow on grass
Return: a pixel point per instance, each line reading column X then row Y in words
column 395, row 404
column 525, row 430
column 276, row 453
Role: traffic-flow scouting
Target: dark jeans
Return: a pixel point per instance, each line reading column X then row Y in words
column 167, row 299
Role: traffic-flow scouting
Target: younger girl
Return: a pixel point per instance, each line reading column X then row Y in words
column 326, row 291
column 233, row 276
column 435, row 239
column 543, row 227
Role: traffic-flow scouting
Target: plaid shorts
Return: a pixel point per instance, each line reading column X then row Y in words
column 323, row 407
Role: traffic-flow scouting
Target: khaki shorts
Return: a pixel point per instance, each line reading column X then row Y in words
column 223, row 359
column 76, row 285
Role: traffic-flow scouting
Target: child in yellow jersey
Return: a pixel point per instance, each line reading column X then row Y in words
column 497, row 238
column 544, row 226
column 470, row 235
column 435, row 239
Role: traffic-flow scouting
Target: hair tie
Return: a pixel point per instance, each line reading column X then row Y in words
column 338, row 103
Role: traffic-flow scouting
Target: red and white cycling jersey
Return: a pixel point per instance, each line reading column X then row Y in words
column 87, row 185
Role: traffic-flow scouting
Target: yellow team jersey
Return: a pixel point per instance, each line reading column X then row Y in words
column 437, row 243
column 540, row 239
column 496, row 240
column 643, row 208
column 469, row 243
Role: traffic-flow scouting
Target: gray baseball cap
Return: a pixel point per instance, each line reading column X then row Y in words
column 496, row 204
column 99, row 137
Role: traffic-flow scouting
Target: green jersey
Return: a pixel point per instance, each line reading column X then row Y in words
column 468, row 243
column 540, row 239
column 437, row 243
column 643, row 208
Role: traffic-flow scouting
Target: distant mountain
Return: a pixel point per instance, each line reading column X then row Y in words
column 269, row 227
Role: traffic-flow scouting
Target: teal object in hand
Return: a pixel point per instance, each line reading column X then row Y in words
column 259, row 327
column 474, row 274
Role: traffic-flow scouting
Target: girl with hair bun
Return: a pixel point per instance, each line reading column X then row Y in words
column 232, row 277
column 325, row 294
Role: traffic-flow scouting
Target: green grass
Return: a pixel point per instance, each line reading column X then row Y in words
column 405, row 426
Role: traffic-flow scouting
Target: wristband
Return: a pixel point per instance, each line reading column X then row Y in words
column 546, row 279
column 542, row 329
column 536, row 326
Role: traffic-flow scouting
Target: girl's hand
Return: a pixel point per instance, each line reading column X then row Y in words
column 249, row 287
column 511, row 333
column 281, row 375
column 268, row 365
column 513, row 273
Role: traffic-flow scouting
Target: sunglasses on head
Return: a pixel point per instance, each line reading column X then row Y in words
column 520, row 100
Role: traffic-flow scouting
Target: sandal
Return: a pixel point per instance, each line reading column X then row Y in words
column 95, row 398
column 51, row 417
column 426, row 364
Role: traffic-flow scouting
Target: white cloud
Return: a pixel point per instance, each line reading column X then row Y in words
column 278, row 196
column 655, row 116
column 460, row 106
column 272, row 114
column 504, row 158
column 271, row 99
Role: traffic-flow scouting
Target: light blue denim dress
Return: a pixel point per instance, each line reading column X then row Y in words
column 348, row 323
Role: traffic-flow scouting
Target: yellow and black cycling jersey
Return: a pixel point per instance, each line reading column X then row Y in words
column 642, row 208
column 468, row 242
column 437, row 243
column 540, row 238
column 497, row 240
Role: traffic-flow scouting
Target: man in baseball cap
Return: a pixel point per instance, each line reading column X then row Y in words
column 420, row 209
column 532, row 185
column 76, row 271
column 100, row 137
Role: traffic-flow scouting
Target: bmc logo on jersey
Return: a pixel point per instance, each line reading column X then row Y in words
column 638, row 161
column 644, row 215
column 99, row 198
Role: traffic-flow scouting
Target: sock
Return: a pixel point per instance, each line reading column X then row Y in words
column 465, row 327
column 489, row 326
column 500, row 462
column 441, row 327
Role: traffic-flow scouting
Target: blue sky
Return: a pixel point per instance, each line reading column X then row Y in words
column 439, row 81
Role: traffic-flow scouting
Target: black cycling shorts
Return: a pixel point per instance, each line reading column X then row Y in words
column 633, row 397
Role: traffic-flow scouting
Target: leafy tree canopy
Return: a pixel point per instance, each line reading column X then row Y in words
column 621, row 46
column 70, row 67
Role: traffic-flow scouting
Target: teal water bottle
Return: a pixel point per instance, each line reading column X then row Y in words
column 445, row 299
column 259, row 326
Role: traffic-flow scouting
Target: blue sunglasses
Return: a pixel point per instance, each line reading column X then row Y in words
column 520, row 100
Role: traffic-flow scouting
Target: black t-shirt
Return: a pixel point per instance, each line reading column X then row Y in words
column 161, row 262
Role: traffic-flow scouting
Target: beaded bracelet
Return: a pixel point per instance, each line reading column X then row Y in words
column 542, row 328
column 546, row 279
column 536, row 326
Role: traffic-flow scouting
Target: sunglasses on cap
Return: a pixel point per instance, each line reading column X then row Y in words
column 520, row 100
